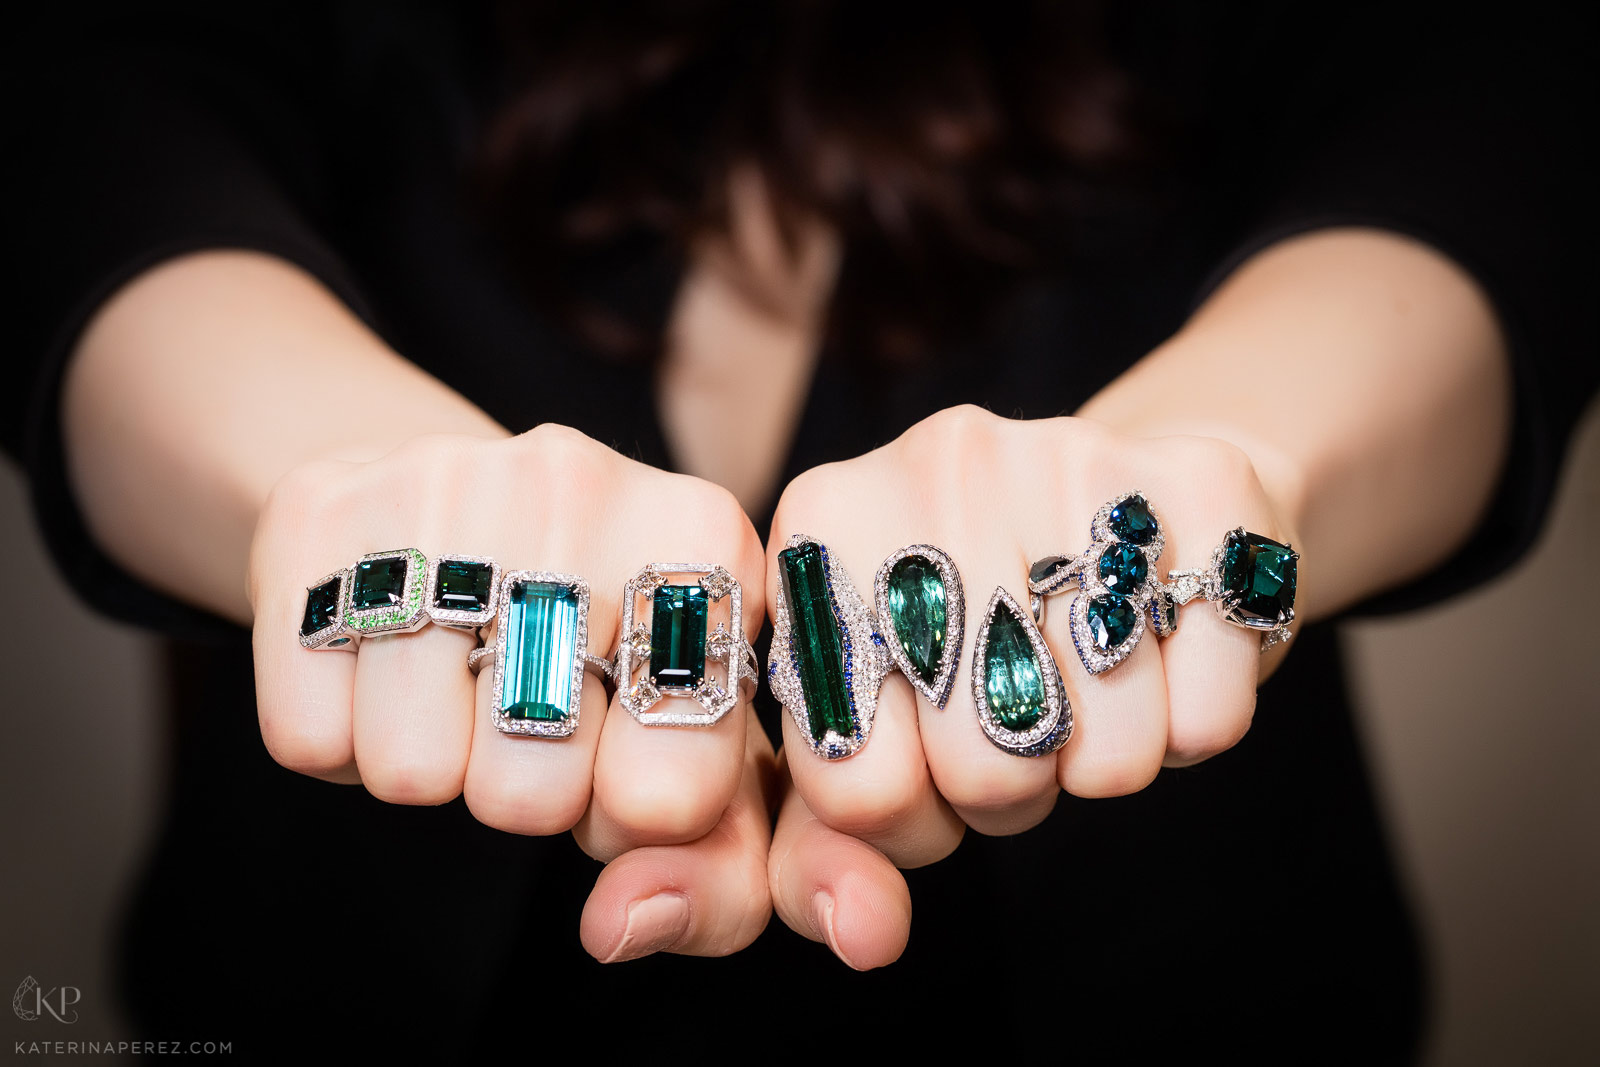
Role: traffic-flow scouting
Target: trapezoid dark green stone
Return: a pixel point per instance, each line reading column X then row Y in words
column 1012, row 680
column 1258, row 575
column 917, row 612
column 678, row 615
column 817, row 642
column 322, row 605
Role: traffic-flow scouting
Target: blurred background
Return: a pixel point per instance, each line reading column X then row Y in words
column 1486, row 769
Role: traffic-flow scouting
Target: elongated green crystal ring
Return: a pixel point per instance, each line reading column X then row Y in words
column 1016, row 686
column 1117, row 583
column 918, row 596
column 1250, row 578
column 672, row 655
column 828, row 656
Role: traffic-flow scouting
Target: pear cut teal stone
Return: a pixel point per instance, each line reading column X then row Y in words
column 322, row 606
column 678, row 616
column 380, row 583
column 541, row 647
column 463, row 585
column 1122, row 568
column 1111, row 619
column 917, row 612
column 1012, row 680
column 817, row 641
column 1258, row 576
column 1131, row 521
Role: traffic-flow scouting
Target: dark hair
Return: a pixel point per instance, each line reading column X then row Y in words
column 950, row 149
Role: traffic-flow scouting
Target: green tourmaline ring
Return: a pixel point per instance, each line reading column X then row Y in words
column 1015, row 684
column 828, row 657
column 381, row 593
column 462, row 591
column 1116, row 578
column 541, row 649
column 670, row 657
column 1251, row 579
column 917, row 593
column 322, row 625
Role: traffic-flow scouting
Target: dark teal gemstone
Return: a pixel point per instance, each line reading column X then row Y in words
column 1131, row 521
column 917, row 612
column 1258, row 578
column 322, row 606
column 678, row 635
column 380, row 583
column 1012, row 680
column 463, row 585
column 1047, row 567
column 1111, row 619
column 541, row 646
column 1122, row 568
column 817, row 640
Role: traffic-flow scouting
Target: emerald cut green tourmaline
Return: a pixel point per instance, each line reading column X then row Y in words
column 1122, row 568
column 541, row 647
column 917, row 612
column 1258, row 576
column 817, row 641
column 463, row 585
column 379, row 583
column 678, row 635
column 1112, row 618
column 1131, row 521
column 322, row 606
column 1012, row 680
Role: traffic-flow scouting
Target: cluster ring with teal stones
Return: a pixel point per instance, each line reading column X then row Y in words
column 1118, row 588
column 1251, row 578
column 682, row 636
column 828, row 656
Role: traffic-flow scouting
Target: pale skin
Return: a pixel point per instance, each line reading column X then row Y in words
column 1375, row 415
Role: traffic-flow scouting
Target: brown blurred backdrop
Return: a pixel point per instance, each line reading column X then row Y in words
column 1486, row 771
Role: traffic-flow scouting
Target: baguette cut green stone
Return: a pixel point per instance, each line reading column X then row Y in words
column 463, row 585
column 379, row 583
column 322, row 605
column 817, row 642
column 1259, row 574
column 1012, row 679
column 678, row 616
column 917, row 612
column 541, row 646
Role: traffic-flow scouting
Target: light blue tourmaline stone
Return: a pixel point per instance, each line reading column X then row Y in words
column 541, row 647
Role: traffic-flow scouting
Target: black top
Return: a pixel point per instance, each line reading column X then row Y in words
column 1248, row 904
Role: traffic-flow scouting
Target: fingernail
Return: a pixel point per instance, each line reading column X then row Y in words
column 822, row 919
column 653, row 924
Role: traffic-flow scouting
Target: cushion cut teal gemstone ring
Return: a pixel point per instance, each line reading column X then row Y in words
column 1251, row 578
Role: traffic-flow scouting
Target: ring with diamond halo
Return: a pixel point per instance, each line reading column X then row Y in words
column 678, row 646
column 1251, row 578
column 380, row 594
column 828, row 657
column 1117, row 583
column 921, row 608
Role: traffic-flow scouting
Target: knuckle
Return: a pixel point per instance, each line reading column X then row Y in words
column 952, row 431
column 412, row 781
column 308, row 494
column 500, row 805
column 1215, row 463
column 806, row 496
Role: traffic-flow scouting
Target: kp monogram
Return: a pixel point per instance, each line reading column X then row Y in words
column 32, row 1001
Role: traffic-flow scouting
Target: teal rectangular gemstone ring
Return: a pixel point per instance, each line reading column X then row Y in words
column 542, row 636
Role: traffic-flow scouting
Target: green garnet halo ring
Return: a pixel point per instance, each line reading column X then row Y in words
column 1116, row 576
column 828, row 657
column 1251, row 579
column 381, row 593
column 679, row 653
column 918, row 596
